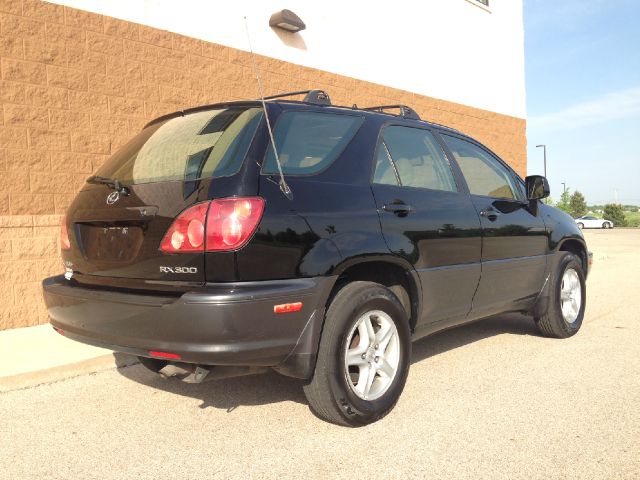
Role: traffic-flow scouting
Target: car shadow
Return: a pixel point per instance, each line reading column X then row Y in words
column 252, row 390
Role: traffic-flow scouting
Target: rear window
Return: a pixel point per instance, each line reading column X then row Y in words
column 308, row 142
column 211, row 143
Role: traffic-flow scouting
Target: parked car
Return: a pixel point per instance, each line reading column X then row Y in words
column 587, row 221
column 204, row 253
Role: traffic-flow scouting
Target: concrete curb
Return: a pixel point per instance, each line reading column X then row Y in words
column 36, row 355
column 64, row 372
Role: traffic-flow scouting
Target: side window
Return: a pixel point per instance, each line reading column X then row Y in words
column 412, row 157
column 308, row 142
column 484, row 174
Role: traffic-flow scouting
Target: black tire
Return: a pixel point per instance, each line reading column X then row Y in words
column 580, row 225
column 329, row 392
column 606, row 225
column 552, row 323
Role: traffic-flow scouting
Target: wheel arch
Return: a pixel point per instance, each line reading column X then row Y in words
column 578, row 248
column 392, row 272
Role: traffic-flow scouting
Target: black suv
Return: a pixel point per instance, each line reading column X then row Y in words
column 199, row 249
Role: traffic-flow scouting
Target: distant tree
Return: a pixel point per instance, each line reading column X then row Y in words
column 577, row 204
column 565, row 202
column 615, row 213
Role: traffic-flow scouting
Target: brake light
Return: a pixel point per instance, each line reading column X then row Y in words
column 218, row 225
column 65, row 243
column 186, row 234
column 232, row 221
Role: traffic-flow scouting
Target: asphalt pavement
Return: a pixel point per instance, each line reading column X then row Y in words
column 488, row 400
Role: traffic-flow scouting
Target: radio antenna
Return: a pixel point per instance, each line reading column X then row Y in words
column 284, row 187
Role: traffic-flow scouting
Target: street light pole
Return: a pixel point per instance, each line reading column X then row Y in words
column 564, row 187
column 544, row 149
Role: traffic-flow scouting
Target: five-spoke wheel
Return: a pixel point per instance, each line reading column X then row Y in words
column 570, row 295
column 363, row 358
column 372, row 355
column 566, row 295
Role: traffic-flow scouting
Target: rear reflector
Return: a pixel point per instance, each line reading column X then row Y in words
column 287, row 307
column 168, row 355
column 65, row 243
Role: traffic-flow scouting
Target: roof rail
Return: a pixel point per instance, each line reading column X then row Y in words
column 316, row 97
column 405, row 112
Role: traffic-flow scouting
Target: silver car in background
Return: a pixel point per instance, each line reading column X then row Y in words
column 587, row 221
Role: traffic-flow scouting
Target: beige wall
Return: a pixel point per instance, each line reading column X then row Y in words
column 75, row 85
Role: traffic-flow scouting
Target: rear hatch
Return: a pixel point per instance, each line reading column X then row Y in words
column 118, row 220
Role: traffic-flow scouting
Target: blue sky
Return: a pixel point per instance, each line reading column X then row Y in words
column 583, row 96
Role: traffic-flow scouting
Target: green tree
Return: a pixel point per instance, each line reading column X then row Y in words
column 577, row 205
column 564, row 203
column 615, row 213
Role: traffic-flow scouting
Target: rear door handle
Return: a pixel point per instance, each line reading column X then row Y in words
column 400, row 209
column 490, row 214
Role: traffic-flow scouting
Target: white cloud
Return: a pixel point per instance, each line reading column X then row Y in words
column 612, row 106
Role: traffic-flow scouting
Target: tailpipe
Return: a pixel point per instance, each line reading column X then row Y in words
column 193, row 373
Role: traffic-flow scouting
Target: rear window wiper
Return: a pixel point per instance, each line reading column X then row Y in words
column 111, row 182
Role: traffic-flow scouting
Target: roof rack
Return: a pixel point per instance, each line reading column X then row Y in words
column 405, row 112
column 316, row 97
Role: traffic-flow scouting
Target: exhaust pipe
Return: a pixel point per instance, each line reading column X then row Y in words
column 191, row 373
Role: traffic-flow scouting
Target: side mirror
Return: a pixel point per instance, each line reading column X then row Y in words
column 537, row 187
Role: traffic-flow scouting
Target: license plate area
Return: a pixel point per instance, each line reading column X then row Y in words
column 110, row 242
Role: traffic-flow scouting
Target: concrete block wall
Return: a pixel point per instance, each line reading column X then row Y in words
column 74, row 86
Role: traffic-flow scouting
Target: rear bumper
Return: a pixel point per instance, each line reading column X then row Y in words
column 220, row 324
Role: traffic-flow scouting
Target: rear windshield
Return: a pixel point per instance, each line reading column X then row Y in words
column 211, row 143
column 309, row 142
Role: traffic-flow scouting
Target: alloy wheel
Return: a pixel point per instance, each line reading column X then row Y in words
column 372, row 355
column 570, row 295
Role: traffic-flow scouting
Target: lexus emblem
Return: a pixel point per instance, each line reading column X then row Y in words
column 113, row 197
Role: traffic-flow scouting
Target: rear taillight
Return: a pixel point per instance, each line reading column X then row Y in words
column 186, row 234
column 232, row 221
column 219, row 225
column 65, row 243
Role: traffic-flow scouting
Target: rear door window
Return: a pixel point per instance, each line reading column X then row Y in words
column 484, row 174
column 308, row 142
column 411, row 157
column 211, row 143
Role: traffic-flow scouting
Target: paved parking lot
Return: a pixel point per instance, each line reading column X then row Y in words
column 489, row 400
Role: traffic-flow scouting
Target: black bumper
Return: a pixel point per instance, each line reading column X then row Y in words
column 220, row 324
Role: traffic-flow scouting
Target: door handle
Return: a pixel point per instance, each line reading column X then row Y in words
column 400, row 209
column 490, row 214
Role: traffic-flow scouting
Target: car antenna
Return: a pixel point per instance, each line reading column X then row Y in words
column 284, row 187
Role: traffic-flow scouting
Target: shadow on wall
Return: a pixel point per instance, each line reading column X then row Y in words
column 231, row 393
column 294, row 40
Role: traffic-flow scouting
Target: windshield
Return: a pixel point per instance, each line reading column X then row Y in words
column 211, row 143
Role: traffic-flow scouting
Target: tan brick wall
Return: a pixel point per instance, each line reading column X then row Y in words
column 75, row 85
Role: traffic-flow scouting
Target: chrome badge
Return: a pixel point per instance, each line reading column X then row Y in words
column 113, row 197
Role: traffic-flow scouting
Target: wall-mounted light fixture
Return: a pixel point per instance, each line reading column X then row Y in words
column 287, row 20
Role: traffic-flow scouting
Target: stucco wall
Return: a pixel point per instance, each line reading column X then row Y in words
column 75, row 85
column 454, row 50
